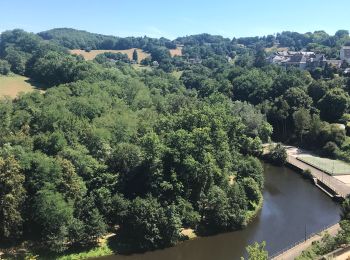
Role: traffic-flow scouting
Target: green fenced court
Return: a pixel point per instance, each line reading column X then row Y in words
column 332, row 167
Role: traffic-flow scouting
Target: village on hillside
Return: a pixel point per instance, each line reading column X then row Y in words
column 308, row 60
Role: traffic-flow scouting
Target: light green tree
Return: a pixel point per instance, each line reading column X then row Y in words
column 257, row 251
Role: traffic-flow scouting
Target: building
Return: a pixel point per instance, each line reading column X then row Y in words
column 345, row 53
column 299, row 59
column 335, row 63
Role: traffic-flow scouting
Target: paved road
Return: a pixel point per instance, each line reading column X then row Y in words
column 339, row 187
column 299, row 248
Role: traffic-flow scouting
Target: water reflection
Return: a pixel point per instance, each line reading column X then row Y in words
column 291, row 204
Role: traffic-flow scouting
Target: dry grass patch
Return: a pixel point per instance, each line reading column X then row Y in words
column 275, row 49
column 176, row 52
column 93, row 53
column 189, row 232
column 12, row 85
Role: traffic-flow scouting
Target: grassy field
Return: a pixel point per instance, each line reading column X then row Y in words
column 177, row 74
column 176, row 52
column 141, row 67
column 93, row 53
column 13, row 85
column 275, row 49
column 332, row 167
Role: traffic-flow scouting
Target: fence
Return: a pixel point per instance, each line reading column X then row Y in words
column 326, row 179
column 294, row 245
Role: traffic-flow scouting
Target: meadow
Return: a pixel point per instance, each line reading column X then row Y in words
column 12, row 85
column 93, row 53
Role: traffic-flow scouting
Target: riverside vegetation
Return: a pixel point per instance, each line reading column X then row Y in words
column 141, row 153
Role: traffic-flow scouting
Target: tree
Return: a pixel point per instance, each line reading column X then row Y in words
column 260, row 57
column 253, row 86
column 5, row 67
column 333, row 104
column 251, row 167
column 215, row 211
column 16, row 59
column 252, row 191
column 12, row 195
column 278, row 154
column 148, row 225
column 302, row 122
column 53, row 216
column 89, row 224
column 296, row 98
column 257, row 251
column 344, row 234
column 135, row 56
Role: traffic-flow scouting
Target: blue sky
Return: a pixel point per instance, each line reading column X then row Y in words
column 170, row 19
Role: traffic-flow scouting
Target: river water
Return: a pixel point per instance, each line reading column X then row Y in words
column 292, row 208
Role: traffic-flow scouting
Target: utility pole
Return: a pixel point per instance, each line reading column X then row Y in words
column 305, row 232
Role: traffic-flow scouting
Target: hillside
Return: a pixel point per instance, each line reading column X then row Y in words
column 11, row 86
column 146, row 153
column 90, row 55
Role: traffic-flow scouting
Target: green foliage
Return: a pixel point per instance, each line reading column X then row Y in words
column 333, row 104
column 257, row 251
column 135, row 55
column 52, row 215
column 277, row 154
column 5, row 67
column 252, row 191
column 109, row 146
column 12, row 195
column 148, row 225
column 302, row 121
column 251, row 167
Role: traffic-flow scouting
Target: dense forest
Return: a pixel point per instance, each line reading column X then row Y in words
column 143, row 153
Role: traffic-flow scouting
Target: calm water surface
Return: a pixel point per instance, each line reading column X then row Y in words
column 291, row 206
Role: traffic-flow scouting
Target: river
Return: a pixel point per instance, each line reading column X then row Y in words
column 292, row 207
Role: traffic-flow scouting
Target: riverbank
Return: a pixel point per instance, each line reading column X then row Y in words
column 104, row 248
column 106, row 245
column 290, row 203
column 299, row 247
column 334, row 185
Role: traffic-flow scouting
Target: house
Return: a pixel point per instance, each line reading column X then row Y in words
column 345, row 53
column 299, row 59
column 335, row 63
column 347, row 71
column 195, row 60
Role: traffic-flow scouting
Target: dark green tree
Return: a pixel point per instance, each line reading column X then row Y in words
column 333, row 104
column 135, row 56
column 12, row 195
column 148, row 225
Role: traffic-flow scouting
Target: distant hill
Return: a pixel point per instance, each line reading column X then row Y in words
column 79, row 39
column 318, row 41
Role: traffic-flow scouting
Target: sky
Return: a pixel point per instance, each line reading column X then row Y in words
column 171, row 19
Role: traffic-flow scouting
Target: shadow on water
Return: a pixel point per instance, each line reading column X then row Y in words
column 291, row 206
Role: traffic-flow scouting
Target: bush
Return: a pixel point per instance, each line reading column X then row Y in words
column 4, row 67
column 330, row 149
column 278, row 155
